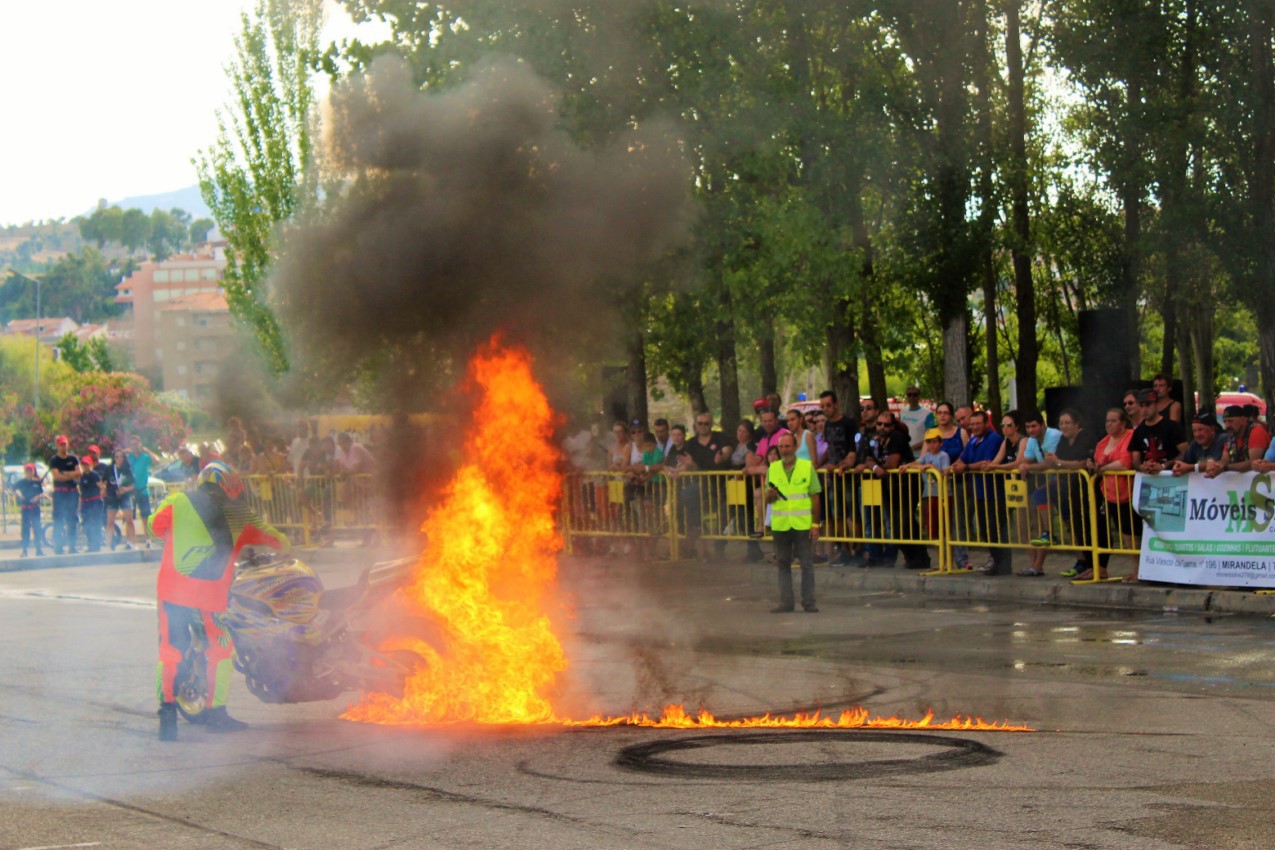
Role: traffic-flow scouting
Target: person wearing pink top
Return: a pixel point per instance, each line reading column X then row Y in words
column 1112, row 455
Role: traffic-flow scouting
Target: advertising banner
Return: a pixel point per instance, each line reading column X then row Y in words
column 1210, row 531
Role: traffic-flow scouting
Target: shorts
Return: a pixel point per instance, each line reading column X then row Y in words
column 143, row 501
column 121, row 502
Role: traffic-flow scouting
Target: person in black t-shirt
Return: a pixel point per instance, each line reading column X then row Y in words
column 1074, row 451
column 65, row 469
column 840, row 433
column 30, row 491
column 92, row 506
column 900, row 492
column 1158, row 440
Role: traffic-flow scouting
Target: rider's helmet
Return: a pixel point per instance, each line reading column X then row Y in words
column 218, row 474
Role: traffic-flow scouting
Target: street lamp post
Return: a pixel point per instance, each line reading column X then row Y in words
column 36, row 281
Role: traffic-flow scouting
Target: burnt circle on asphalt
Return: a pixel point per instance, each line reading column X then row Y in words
column 661, row 757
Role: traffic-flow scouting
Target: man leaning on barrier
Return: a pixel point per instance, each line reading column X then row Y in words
column 1206, row 445
column 792, row 491
column 985, row 496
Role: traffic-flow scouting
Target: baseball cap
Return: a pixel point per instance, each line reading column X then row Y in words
column 93, row 449
column 1148, row 396
column 1234, row 410
column 759, row 403
column 62, row 441
column 89, row 459
column 933, row 434
column 1251, row 411
column 1204, row 417
column 28, row 467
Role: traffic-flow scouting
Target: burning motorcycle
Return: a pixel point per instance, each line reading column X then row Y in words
column 294, row 640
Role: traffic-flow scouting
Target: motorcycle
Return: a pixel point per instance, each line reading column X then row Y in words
column 294, row 640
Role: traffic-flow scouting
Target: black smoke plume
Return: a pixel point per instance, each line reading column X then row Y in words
column 465, row 212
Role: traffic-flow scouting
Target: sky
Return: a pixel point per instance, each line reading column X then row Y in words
column 111, row 99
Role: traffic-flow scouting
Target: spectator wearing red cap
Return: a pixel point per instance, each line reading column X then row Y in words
column 92, row 508
column 30, row 491
column 65, row 469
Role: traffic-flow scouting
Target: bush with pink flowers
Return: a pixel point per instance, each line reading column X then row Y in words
column 105, row 408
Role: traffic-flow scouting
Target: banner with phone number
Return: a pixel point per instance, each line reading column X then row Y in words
column 1208, row 531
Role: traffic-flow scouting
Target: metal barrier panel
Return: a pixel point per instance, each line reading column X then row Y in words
column 903, row 508
column 1117, row 528
column 634, row 512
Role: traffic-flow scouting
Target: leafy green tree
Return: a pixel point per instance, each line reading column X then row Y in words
column 260, row 172
column 199, row 230
column 135, row 229
column 81, row 286
column 92, row 356
column 168, row 232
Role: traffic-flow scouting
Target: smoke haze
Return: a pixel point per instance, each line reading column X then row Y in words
column 467, row 212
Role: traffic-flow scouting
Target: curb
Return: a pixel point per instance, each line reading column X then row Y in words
column 9, row 564
column 316, row 556
column 1041, row 591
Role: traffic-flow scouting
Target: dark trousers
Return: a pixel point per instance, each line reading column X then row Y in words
column 788, row 544
column 993, row 525
column 93, row 515
column 903, row 496
column 65, row 505
column 31, row 528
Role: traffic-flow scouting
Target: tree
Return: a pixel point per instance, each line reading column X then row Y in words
column 92, row 356
column 107, row 408
column 199, row 230
column 260, row 172
column 135, row 229
column 168, row 232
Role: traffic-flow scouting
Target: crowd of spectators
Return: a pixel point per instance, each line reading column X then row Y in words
column 962, row 446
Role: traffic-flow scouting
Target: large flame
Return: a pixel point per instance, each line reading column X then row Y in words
column 487, row 574
column 490, row 561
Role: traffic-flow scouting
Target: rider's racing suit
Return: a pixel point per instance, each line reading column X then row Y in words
column 203, row 532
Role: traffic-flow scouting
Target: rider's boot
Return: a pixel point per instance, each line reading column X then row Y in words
column 219, row 721
column 168, row 721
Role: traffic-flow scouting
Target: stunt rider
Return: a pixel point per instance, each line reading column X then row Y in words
column 202, row 533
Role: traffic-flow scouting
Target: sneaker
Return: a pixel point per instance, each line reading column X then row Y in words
column 24, row 554
column 842, row 560
column 1043, row 540
column 756, row 535
column 819, row 559
column 811, row 608
column 127, row 545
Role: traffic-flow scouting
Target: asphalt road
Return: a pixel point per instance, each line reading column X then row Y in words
column 1154, row 730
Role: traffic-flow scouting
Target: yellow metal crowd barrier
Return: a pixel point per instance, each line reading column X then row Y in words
column 1053, row 509
column 309, row 509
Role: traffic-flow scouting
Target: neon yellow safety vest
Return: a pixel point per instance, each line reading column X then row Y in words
column 795, row 511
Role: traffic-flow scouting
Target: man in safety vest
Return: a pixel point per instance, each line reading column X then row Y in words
column 202, row 532
column 792, row 489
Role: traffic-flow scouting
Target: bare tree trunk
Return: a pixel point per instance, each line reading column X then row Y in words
column 727, row 366
column 1020, row 215
column 841, row 363
column 767, row 366
column 695, row 389
column 993, row 350
column 1262, row 291
column 871, row 342
column 635, row 376
column 956, row 365
column 1200, row 331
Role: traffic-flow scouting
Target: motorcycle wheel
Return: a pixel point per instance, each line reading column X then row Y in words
column 190, row 688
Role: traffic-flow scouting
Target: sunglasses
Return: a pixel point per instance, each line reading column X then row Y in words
column 705, row 424
column 913, row 395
